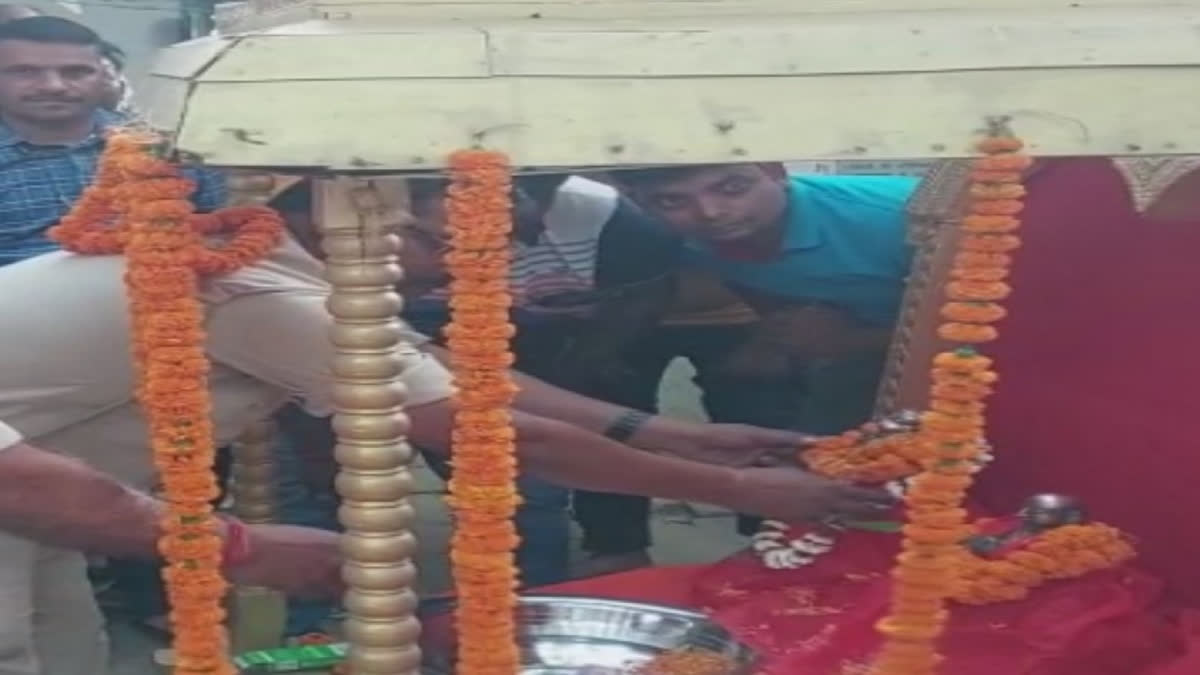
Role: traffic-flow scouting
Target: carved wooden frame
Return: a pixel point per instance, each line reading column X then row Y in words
column 935, row 207
column 932, row 213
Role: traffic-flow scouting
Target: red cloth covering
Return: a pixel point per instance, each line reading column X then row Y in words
column 1098, row 362
column 819, row 620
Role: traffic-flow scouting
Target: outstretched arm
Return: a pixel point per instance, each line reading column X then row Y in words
column 572, row 457
column 64, row 502
column 730, row 444
column 282, row 339
column 569, row 456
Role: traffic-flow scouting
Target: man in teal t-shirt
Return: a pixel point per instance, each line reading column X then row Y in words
column 822, row 259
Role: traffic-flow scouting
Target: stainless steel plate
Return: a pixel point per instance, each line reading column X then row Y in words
column 561, row 635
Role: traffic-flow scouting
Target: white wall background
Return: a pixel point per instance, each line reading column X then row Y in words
column 914, row 167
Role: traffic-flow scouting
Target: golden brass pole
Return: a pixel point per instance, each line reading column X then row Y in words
column 257, row 616
column 253, row 473
column 355, row 216
column 253, row 460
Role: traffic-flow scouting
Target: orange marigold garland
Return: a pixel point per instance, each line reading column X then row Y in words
column 483, row 491
column 951, row 433
column 862, row 456
column 1065, row 552
column 138, row 204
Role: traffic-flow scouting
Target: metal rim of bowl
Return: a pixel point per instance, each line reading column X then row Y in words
column 703, row 634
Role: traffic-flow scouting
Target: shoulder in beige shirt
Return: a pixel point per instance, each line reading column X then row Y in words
column 65, row 370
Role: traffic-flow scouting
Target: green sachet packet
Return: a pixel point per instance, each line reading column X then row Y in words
column 291, row 659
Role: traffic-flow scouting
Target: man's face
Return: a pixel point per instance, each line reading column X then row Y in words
column 720, row 204
column 426, row 239
column 425, row 243
column 49, row 83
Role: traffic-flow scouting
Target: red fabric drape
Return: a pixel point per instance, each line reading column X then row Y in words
column 819, row 621
column 1099, row 363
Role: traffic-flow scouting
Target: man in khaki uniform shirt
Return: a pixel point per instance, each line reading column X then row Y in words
column 66, row 383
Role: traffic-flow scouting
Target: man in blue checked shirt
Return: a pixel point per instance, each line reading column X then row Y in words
column 53, row 84
column 56, row 79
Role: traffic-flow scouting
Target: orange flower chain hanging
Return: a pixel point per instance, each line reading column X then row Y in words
column 951, row 434
column 483, row 492
column 138, row 204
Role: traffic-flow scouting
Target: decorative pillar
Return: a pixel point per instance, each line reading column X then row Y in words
column 248, row 188
column 257, row 616
column 356, row 217
column 253, row 467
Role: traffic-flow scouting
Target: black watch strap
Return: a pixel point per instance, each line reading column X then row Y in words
column 627, row 425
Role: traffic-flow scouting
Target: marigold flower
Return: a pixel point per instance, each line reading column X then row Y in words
column 483, row 493
column 138, row 205
column 951, row 434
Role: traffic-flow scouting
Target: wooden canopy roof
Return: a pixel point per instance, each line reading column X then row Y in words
column 397, row 86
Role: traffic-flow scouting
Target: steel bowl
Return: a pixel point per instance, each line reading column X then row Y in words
column 561, row 635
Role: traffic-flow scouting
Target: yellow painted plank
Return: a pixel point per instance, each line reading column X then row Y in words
column 786, row 45
column 242, row 18
column 470, row 12
column 164, row 102
column 188, row 59
column 443, row 53
column 414, row 124
column 799, row 5
column 356, row 25
column 847, row 43
column 541, row 10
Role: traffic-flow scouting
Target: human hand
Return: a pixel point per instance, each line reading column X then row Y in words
column 725, row 444
column 299, row 561
column 794, row 495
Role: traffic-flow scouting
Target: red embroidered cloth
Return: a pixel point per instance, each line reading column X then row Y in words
column 820, row 620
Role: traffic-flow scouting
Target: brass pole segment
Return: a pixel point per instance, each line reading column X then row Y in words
column 257, row 616
column 357, row 217
column 253, row 456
